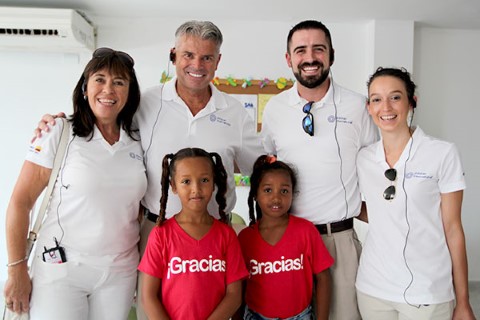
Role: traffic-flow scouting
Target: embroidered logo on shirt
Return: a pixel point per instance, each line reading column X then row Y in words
column 177, row 265
column 418, row 175
column 282, row 265
column 214, row 118
column 339, row 119
column 136, row 156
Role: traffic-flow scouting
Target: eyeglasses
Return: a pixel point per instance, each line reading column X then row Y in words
column 124, row 57
column 389, row 193
column 307, row 122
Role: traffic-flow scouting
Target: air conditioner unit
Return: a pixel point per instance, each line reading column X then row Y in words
column 40, row 29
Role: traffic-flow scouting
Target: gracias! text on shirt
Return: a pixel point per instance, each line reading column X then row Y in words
column 177, row 265
column 282, row 265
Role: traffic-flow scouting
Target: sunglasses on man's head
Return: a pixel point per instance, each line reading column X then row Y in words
column 389, row 193
column 307, row 122
column 124, row 57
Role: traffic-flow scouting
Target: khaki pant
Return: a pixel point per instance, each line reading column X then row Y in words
column 373, row 308
column 345, row 248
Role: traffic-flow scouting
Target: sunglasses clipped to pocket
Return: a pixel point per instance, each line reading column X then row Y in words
column 391, row 175
column 307, row 122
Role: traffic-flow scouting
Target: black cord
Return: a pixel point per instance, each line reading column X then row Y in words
column 338, row 148
column 156, row 119
column 407, row 221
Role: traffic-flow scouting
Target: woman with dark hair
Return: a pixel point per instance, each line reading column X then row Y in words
column 414, row 262
column 84, row 264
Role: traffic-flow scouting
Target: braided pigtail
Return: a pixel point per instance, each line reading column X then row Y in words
column 165, row 182
column 220, row 179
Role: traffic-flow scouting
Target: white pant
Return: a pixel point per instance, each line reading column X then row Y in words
column 372, row 308
column 76, row 291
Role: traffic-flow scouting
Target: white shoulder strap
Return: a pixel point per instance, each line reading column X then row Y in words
column 62, row 146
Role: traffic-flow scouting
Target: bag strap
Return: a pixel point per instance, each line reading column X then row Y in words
column 57, row 162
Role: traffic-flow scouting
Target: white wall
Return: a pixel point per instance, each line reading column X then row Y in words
column 32, row 84
column 253, row 48
column 446, row 71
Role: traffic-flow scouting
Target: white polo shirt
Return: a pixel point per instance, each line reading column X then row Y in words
column 167, row 125
column 323, row 167
column 95, row 204
column 433, row 168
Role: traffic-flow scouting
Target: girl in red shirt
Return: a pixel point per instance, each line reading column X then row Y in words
column 193, row 264
column 284, row 253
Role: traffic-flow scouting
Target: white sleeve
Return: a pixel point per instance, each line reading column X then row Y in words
column 451, row 175
column 266, row 134
column 42, row 151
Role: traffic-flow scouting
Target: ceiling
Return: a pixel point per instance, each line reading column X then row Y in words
column 458, row 14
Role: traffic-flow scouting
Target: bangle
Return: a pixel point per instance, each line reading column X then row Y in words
column 14, row 263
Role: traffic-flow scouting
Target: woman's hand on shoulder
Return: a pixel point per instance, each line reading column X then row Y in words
column 45, row 123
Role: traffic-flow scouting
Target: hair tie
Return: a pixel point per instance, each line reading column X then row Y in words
column 270, row 159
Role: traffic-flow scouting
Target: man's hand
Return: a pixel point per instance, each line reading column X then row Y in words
column 45, row 123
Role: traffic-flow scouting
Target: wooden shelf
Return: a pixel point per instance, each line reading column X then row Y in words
column 269, row 88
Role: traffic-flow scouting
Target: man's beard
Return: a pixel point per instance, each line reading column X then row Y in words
column 311, row 81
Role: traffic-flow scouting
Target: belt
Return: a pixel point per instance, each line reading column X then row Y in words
column 335, row 226
column 151, row 216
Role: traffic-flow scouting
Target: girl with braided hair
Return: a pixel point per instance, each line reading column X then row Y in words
column 193, row 266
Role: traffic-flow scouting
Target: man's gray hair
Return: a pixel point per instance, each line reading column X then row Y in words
column 205, row 30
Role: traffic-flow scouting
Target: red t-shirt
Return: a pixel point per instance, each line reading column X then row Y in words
column 281, row 276
column 194, row 273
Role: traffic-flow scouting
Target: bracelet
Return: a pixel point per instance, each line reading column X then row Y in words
column 14, row 263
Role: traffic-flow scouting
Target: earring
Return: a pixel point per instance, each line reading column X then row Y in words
column 85, row 97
